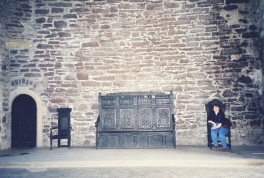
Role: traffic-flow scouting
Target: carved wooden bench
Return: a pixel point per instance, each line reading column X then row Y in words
column 135, row 120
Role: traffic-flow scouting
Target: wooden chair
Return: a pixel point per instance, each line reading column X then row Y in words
column 209, row 108
column 63, row 129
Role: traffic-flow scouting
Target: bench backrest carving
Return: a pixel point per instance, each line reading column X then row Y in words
column 135, row 111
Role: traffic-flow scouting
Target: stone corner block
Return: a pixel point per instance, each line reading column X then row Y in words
column 18, row 44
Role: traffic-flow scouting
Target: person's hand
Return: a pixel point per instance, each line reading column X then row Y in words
column 214, row 127
column 211, row 122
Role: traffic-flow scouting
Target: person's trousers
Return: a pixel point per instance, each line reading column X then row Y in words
column 222, row 136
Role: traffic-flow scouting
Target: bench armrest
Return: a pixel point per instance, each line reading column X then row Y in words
column 97, row 122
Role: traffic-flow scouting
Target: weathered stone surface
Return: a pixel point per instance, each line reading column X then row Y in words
column 64, row 34
column 236, row 1
column 90, row 44
column 60, row 4
column 91, row 84
column 57, row 10
column 44, row 46
column 229, row 93
column 170, row 4
column 41, row 20
column 58, row 100
column 70, row 16
column 207, row 17
column 32, row 75
column 60, row 24
column 251, row 35
column 230, row 7
column 245, row 79
column 42, row 11
column 253, row 27
column 4, row 119
column 47, row 25
column 256, row 123
column 82, row 76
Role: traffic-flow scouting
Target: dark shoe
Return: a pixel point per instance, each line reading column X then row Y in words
column 217, row 148
column 225, row 149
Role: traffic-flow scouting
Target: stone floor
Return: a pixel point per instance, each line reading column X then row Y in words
column 184, row 161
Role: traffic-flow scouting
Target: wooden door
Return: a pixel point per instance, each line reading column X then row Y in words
column 23, row 124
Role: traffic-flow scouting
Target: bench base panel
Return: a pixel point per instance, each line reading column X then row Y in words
column 135, row 140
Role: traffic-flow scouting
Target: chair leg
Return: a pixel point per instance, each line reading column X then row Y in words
column 229, row 141
column 69, row 142
column 210, row 142
column 58, row 143
column 209, row 139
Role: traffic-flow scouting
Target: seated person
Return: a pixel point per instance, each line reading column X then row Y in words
column 217, row 119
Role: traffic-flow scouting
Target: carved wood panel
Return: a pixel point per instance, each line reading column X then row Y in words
column 145, row 118
column 163, row 116
column 135, row 140
column 127, row 118
column 109, row 118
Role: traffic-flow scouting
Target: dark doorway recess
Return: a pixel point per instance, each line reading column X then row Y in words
column 23, row 124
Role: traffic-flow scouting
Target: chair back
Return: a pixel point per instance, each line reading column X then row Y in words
column 64, row 123
column 227, row 123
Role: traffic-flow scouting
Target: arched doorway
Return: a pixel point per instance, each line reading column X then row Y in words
column 23, row 124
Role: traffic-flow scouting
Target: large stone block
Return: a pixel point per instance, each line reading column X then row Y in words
column 171, row 4
column 60, row 24
column 230, row 7
column 17, row 44
column 70, row 16
column 244, row 79
column 57, row 10
column 60, row 4
column 42, row 11
column 236, row 1
column 90, row 44
column 251, row 35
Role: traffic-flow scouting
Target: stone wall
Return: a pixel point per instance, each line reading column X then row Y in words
column 261, row 22
column 68, row 51
column 3, row 77
column 240, row 42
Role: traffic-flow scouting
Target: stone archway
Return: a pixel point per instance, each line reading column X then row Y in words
column 40, row 110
